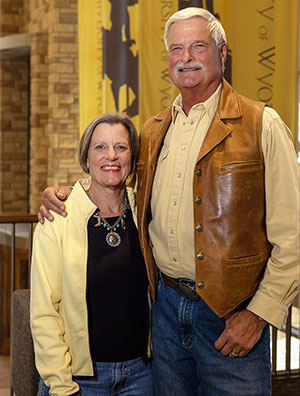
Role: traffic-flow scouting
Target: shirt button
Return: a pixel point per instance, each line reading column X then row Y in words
column 199, row 227
column 201, row 285
column 183, row 123
column 179, row 175
column 192, row 122
column 174, row 203
column 198, row 200
column 183, row 148
column 171, row 232
column 200, row 256
column 198, row 172
column 174, row 259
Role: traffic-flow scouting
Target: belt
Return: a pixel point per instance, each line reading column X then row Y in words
column 185, row 288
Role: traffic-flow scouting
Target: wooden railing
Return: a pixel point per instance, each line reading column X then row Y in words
column 17, row 262
column 285, row 345
column 13, row 220
column 15, row 253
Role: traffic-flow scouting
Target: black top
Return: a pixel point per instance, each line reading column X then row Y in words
column 117, row 299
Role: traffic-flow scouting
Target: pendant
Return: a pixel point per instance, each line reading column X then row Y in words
column 113, row 239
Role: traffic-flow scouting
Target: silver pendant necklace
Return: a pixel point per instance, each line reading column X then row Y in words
column 113, row 239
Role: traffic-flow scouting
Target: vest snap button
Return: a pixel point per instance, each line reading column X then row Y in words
column 201, row 285
column 198, row 200
column 198, row 172
column 199, row 227
column 200, row 256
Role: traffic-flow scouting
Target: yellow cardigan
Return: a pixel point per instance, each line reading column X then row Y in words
column 59, row 321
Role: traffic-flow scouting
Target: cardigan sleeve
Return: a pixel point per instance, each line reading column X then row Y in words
column 53, row 360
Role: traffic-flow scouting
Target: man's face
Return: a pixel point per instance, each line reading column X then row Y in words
column 194, row 59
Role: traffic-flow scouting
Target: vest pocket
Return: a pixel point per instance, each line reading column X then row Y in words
column 244, row 261
column 243, row 166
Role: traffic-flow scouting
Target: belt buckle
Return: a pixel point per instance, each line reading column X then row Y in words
column 187, row 290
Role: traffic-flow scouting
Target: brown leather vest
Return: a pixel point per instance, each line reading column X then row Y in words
column 231, row 246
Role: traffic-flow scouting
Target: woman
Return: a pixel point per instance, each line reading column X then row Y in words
column 89, row 304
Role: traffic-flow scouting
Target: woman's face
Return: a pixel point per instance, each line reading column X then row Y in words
column 109, row 155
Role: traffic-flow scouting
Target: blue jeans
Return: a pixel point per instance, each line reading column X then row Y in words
column 129, row 378
column 185, row 362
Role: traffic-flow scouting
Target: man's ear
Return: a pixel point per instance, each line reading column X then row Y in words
column 223, row 54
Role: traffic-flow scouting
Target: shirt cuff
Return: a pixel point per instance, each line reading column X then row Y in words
column 268, row 309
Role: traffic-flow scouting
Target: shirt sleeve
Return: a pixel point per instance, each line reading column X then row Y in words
column 280, row 283
column 52, row 355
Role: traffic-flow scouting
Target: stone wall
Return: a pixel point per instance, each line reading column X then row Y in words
column 12, row 17
column 54, row 96
column 53, row 93
column 39, row 141
column 63, row 90
column 14, row 134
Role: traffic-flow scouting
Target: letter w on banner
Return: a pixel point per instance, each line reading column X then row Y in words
column 123, row 61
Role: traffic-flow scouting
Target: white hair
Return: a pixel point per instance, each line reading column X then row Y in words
column 216, row 29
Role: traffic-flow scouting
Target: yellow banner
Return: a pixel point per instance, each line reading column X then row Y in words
column 123, row 61
column 263, row 40
column 156, row 89
column 90, row 61
column 108, row 58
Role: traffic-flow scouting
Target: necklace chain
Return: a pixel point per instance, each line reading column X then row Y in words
column 106, row 223
column 113, row 239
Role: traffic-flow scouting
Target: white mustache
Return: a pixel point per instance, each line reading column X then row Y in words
column 194, row 65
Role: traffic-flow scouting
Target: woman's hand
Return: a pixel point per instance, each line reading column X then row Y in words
column 52, row 199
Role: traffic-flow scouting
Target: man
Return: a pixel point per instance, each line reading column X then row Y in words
column 218, row 210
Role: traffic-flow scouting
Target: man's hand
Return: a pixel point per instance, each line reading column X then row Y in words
column 243, row 330
column 52, row 199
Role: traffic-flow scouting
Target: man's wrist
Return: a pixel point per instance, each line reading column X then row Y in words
column 260, row 320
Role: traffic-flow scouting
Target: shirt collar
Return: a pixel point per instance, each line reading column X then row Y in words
column 210, row 105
